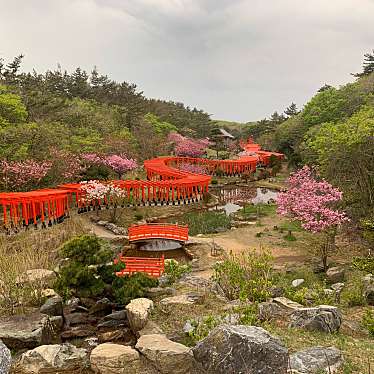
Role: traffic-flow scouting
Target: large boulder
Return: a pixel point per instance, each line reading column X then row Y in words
column 137, row 313
column 323, row 318
column 167, row 356
column 335, row 274
column 369, row 288
column 241, row 349
column 29, row 331
column 56, row 358
column 5, row 358
column 110, row 358
column 316, row 359
column 268, row 311
column 52, row 307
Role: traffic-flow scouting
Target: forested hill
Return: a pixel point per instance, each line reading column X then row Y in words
column 85, row 112
column 335, row 133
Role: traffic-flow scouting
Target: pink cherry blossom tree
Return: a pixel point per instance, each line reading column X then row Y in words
column 312, row 202
column 120, row 164
column 22, row 175
column 188, row 147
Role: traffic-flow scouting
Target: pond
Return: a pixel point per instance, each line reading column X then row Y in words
column 232, row 198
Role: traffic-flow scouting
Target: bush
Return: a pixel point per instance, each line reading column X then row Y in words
column 174, row 270
column 132, row 286
column 202, row 329
column 365, row 264
column 138, row 216
column 353, row 292
column 245, row 276
column 249, row 315
column 368, row 321
column 214, row 181
column 79, row 276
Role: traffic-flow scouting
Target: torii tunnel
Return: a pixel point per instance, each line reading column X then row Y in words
column 165, row 184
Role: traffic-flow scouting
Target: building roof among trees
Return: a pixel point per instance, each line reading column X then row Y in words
column 226, row 134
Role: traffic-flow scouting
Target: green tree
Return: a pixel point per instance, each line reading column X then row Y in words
column 12, row 110
column 291, row 110
column 367, row 66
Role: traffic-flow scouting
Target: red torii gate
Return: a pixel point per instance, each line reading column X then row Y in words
column 166, row 184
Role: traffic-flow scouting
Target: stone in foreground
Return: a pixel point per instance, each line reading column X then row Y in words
column 241, row 349
column 5, row 358
column 111, row 358
column 184, row 299
column 315, row 359
column 57, row 358
column 167, row 356
column 27, row 331
column 137, row 313
column 323, row 318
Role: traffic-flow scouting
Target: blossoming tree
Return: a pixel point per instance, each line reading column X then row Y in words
column 188, row 147
column 311, row 202
column 22, row 175
column 98, row 193
column 120, row 164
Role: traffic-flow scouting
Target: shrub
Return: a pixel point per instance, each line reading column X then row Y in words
column 214, row 181
column 353, row 292
column 79, row 276
column 131, row 287
column 245, row 276
column 202, row 329
column 249, row 315
column 368, row 321
column 138, row 216
column 174, row 270
column 365, row 264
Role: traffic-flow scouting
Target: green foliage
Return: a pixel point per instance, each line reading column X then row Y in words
column 175, row 271
column 138, row 216
column 206, row 222
column 246, row 276
column 12, row 110
column 248, row 314
column 77, row 277
column 367, row 227
column 368, row 321
column 87, row 250
column 365, row 264
column 131, row 287
column 353, row 292
column 214, row 181
column 202, row 328
column 161, row 127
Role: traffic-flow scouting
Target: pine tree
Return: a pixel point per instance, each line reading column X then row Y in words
column 367, row 66
column 324, row 87
column 291, row 110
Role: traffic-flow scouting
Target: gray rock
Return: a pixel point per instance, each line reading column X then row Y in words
column 52, row 307
column 110, row 358
column 183, row 299
column 369, row 288
column 159, row 291
column 27, row 331
column 276, row 291
column 137, row 313
column 241, row 349
column 120, row 315
column 78, row 332
column 337, row 287
column 322, row 318
column 5, row 358
column 297, row 282
column 335, row 274
column 150, row 328
column 315, row 359
column 101, row 308
column 74, row 319
column 268, row 311
column 167, row 356
column 287, row 304
column 188, row 327
column 124, row 336
column 57, row 358
column 112, row 323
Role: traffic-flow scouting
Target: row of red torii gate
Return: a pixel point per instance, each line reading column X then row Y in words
column 166, row 184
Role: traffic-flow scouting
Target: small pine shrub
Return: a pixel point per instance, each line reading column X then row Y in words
column 78, row 277
column 132, row 286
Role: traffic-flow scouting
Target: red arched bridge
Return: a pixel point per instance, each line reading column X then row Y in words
column 175, row 232
column 166, row 184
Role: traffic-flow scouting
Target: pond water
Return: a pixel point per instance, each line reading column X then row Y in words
column 232, row 198
column 159, row 245
column 177, row 254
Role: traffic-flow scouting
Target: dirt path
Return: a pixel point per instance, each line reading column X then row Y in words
column 100, row 231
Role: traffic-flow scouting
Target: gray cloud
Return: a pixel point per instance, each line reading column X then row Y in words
column 237, row 59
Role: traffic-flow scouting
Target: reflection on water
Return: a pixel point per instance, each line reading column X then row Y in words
column 159, row 245
column 265, row 196
column 232, row 198
column 177, row 254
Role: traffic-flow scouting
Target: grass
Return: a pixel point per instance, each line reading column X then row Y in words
column 206, row 222
column 262, row 210
column 30, row 250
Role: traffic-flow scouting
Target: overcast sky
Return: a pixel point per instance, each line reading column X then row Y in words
column 238, row 60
